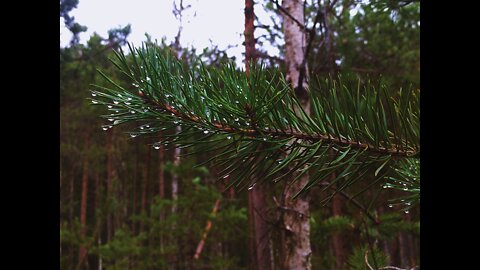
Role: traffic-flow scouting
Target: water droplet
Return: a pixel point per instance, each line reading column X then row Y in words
column 129, row 98
column 157, row 145
column 147, row 126
column 94, row 95
column 265, row 139
column 111, row 119
column 105, row 128
column 132, row 112
column 406, row 211
column 141, row 127
column 236, row 119
column 251, row 187
column 236, row 101
column 133, row 135
column 408, row 203
column 110, row 106
column 390, row 205
column 119, row 95
column 226, row 176
column 202, row 98
column 94, row 101
column 229, row 137
column 205, row 131
column 175, row 122
column 220, row 105
column 127, row 103
column 115, row 102
column 167, row 95
column 405, row 189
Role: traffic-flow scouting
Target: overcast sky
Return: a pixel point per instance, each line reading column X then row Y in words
column 218, row 21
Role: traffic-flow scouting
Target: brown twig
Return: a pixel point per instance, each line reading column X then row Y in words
column 355, row 202
column 208, row 227
column 394, row 152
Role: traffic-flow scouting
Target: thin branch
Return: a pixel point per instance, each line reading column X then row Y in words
column 355, row 202
column 208, row 227
column 302, row 27
column 311, row 37
column 366, row 260
column 286, row 133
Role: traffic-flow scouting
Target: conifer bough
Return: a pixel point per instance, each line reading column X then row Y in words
column 255, row 128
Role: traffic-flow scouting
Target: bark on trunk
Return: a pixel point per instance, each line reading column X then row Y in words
column 145, row 177
column 262, row 235
column 110, row 175
column 259, row 240
column 297, row 212
column 83, row 204
column 337, row 238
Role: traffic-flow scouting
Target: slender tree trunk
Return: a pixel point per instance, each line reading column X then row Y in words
column 262, row 235
column 98, row 186
column 404, row 254
column 161, row 187
column 296, row 217
column 71, row 214
column 337, row 238
column 259, row 240
column 83, row 205
column 161, row 171
column 174, row 188
column 110, row 175
column 145, row 177
column 410, row 244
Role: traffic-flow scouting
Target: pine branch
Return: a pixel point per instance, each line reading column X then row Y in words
column 257, row 126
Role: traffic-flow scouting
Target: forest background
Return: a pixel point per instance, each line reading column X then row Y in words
column 126, row 205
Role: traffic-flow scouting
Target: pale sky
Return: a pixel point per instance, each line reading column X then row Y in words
column 221, row 21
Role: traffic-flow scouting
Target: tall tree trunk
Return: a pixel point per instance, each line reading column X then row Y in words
column 110, row 175
column 259, row 240
column 161, row 186
column 145, row 177
column 83, row 204
column 410, row 244
column 403, row 246
column 174, row 187
column 296, row 218
column 161, row 171
column 337, row 238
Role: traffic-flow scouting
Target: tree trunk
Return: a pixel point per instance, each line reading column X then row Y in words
column 145, row 177
column 161, row 186
column 259, row 240
column 297, row 214
column 262, row 235
column 174, row 186
column 337, row 238
column 110, row 174
column 83, row 205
